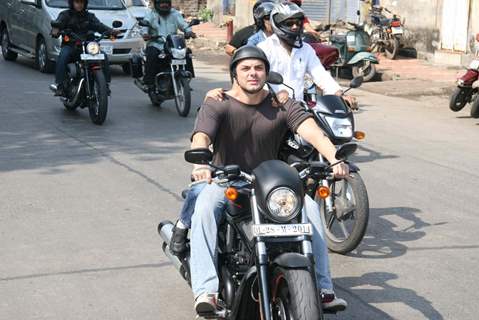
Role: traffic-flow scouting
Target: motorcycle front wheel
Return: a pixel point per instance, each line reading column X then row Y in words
column 98, row 107
column 366, row 69
column 475, row 107
column 296, row 298
column 345, row 227
column 183, row 98
column 459, row 99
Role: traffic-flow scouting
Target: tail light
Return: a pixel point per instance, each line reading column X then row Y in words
column 66, row 38
column 396, row 23
column 311, row 103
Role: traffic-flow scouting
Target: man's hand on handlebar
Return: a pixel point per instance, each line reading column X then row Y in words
column 190, row 34
column 201, row 173
column 341, row 170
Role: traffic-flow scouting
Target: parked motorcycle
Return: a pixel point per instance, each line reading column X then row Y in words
column 173, row 84
column 385, row 32
column 85, row 84
column 345, row 210
column 354, row 51
column 465, row 91
column 265, row 260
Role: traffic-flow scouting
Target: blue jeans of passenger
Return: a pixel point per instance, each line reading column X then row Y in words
column 66, row 56
column 209, row 209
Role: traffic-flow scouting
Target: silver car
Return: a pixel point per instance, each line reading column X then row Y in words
column 25, row 30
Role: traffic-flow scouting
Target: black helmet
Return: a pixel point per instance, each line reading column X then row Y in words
column 261, row 11
column 257, row 4
column 162, row 11
column 247, row 52
column 280, row 14
column 70, row 4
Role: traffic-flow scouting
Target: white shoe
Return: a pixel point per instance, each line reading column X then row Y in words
column 206, row 303
column 332, row 303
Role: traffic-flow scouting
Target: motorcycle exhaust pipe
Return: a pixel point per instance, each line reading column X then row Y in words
column 165, row 229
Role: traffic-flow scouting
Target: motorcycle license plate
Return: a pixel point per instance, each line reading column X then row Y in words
column 282, row 230
column 178, row 62
column 107, row 49
column 397, row 30
column 86, row 56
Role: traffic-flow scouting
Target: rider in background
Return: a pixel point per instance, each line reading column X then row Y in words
column 263, row 25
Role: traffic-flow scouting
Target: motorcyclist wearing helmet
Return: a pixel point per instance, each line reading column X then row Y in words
column 164, row 20
column 293, row 58
column 240, row 38
column 263, row 25
column 247, row 112
column 80, row 21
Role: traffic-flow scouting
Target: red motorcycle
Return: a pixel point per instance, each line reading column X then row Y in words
column 465, row 91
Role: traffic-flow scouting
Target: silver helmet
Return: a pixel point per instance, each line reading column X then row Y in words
column 283, row 13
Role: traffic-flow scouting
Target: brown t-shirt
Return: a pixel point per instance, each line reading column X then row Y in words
column 247, row 135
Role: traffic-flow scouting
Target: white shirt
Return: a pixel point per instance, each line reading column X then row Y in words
column 294, row 67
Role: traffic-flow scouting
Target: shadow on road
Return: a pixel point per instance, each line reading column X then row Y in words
column 375, row 288
column 386, row 239
column 366, row 154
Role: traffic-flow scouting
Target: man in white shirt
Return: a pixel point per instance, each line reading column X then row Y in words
column 291, row 57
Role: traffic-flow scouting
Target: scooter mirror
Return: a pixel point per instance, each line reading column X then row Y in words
column 274, row 78
column 356, row 82
column 346, row 150
column 199, row 156
column 117, row 24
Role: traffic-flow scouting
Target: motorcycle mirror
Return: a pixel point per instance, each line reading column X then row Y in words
column 346, row 150
column 194, row 22
column 356, row 82
column 274, row 78
column 199, row 156
column 144, row 23
column 117, row 24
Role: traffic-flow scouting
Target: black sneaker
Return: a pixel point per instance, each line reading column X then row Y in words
column 331, row 303
column 178, row 240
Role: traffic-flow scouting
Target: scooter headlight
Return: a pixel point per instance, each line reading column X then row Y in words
column 93, row 48
column 283, row 204
column 178, row 53
column 341, row 127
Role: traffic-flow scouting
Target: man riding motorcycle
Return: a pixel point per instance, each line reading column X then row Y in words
column 164, row 20
column 80, row 21
column 263, row 25
column 247, row 114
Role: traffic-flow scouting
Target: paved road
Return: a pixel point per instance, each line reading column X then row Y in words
column 79, row 205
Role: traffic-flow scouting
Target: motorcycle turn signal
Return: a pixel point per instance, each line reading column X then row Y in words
column 359, row 135
column 323, row 192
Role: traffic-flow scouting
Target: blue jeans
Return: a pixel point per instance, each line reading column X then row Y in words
column 189, row 205
column 66, row 56
column 209, row 209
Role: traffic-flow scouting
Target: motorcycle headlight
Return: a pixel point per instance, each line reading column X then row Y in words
column 93, row 48
column 135, row 32
column 342, row 128
column 283, row 204
column 178, row 53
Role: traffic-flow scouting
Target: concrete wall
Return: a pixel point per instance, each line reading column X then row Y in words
column 423, row 23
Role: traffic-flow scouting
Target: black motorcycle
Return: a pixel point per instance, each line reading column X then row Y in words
column 265, row 260
column 173, row 84
column 345, row 210
column 85, row 85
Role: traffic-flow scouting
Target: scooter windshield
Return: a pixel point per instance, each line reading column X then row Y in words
column 331, row 104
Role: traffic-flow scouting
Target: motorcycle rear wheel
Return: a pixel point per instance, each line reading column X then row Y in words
column 392, row 50
column 99, row 108
column 296, row 298
column 458, row 99
column 345, row 233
